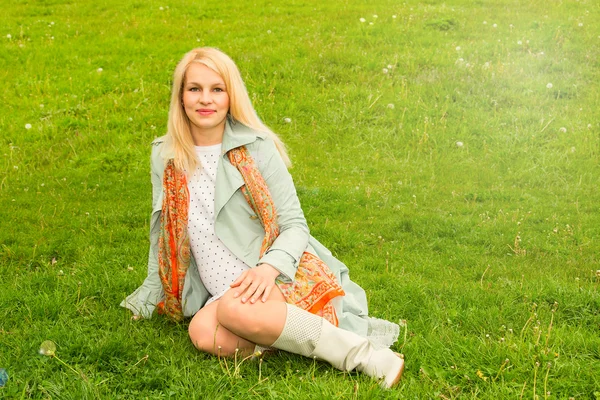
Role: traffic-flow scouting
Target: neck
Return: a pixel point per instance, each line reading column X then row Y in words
column 209, row 136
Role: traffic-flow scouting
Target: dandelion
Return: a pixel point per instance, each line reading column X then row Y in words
column 385, row 70
column 47, row 348
column 27, row 126
column 9, row 36
column 459, row 144
column 362, row 20
column 457, row 48
column 287, row 120
column 549, row 85
column 563, row 130
column 390, row 106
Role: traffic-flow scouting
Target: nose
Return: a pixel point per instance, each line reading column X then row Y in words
column 205, row 97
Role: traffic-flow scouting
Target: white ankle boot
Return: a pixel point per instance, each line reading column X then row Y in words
column 312, row 336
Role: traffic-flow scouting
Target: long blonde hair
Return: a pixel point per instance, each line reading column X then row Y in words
column 180, row 145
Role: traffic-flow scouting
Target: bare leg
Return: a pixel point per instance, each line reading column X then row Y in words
column 209, row 336
column 260, row 323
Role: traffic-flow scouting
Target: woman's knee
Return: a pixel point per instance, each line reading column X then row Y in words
column 234, row 314
column 203, row 332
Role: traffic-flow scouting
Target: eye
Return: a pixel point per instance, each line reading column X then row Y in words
column 218, row 90
column 193, row 89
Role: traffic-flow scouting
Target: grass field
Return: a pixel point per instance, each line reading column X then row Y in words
column 447, row 152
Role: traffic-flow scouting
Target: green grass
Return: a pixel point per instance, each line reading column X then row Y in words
column 490, row 251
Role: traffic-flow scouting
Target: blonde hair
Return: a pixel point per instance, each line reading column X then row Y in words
column 180, row 145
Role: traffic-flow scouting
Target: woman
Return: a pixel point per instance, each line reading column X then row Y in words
column 229, row 245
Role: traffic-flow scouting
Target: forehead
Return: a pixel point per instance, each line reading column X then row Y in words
column 200, row 73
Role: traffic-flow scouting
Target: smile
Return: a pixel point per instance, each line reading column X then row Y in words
column 205, row 111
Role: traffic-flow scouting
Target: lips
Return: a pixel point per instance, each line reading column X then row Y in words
column 205, row 111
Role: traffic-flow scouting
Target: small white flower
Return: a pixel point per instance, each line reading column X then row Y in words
column 51, row 37
column 390, row 106
column 457, row 48
column 129, row 119
column 461, row 59
column 385, row 70
column 52, row 23
column 519, row 42
column 99, row 70
column 362, row 20
column 494, row 26
column 589, row 126
column 393, row 16
column 287, row 120
column 152, row 127
column 459, row 144
column 374, row 15
column 9, row 36
column 129, row 268
column 573, row 149
column 41, row 106
column 269, row 31
column 27, row 126
column 486, row 65
column 549, row 85
column 485, row 22
column 467, row 65
column 60, row 272
column 580, row 24
column 15, row 167
column 563, row 130
column 161, row 8
column 541, row 53
column 389, row 66
column 370, row 23
column 511, row 26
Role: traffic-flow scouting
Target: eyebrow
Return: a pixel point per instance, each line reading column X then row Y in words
column 210, row 84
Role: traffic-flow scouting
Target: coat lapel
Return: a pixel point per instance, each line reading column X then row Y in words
column 229, row 179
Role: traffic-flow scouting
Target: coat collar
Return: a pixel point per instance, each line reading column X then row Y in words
column 237, row 134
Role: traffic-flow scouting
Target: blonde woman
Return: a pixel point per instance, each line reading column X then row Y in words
column 229, row 245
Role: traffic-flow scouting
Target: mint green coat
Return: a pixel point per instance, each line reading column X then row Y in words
column 240, row 230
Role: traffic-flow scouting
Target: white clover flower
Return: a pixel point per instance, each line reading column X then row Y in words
column 563, row 130
column 519, row 42
column 41, row 106
column 394, row 16
column 269, row 31
column 51, row 37
column 457, row 48
column 99, row 70
column 362, row 20
column 461, row 59
column 9, row 36
column 370, row 23
column 589, row 126
column 485, row 22
column 549, row 85
column 27, row 126
column 467, row 65
column 390, row 106
column 495, row 26
column 52, row 23
column 375, row 16
column 129, row 119
column 287, row 120
column 459, row 144
column 15, row 167
column 385, row 70
column 580, row 24
column 486, row 65
column 390, row 66
column 573, row 149
column 161, row 8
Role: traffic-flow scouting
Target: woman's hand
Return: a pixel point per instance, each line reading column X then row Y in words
column 255, row 282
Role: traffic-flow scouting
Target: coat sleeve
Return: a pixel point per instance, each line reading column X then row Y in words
column 143, row 300
column 291, row 243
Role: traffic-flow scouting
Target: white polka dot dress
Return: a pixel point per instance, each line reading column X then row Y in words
column 217, row 266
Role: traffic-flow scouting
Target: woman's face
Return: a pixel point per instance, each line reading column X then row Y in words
column 206, row 103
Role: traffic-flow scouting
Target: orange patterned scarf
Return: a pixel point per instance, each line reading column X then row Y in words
column 314, row 284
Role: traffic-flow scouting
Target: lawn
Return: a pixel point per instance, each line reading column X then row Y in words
column 447, row 152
